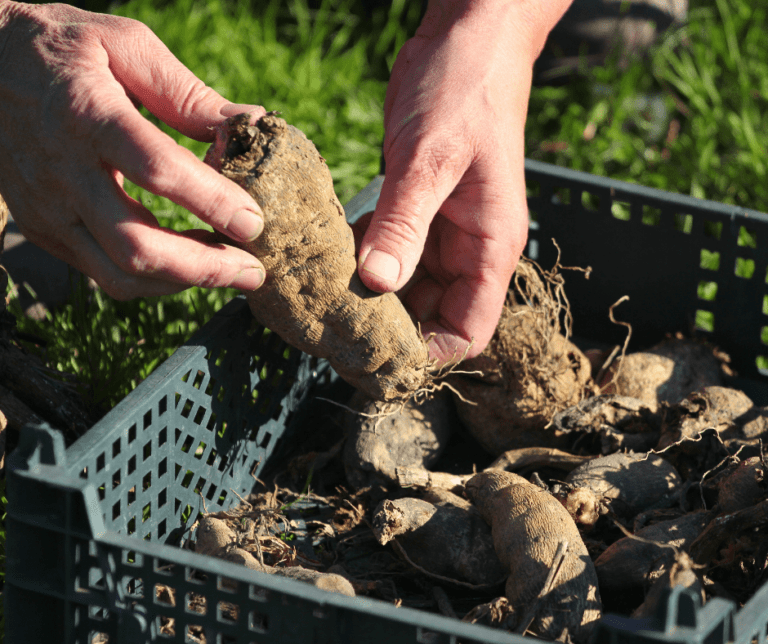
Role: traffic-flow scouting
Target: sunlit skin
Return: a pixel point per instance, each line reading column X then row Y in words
column 71, row 131
column 451, row 222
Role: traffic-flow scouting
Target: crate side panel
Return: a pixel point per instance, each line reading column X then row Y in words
column 184, row 596
column 199, row 437
column 686, row 265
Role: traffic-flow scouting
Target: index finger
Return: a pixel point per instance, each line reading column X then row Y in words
column 153, row 160
column 467, row 316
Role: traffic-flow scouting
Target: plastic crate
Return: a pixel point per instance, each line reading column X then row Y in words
column 92, row 529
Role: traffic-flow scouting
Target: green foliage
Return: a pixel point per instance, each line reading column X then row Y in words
column 111, row 346
column 692, row 119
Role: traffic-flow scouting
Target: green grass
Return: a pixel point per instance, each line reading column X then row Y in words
column 703, row 133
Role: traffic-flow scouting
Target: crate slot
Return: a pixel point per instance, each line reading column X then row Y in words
column 621, row 210
column 745, row 268
column 682, row 223
column 590, row 201
column 710, row 260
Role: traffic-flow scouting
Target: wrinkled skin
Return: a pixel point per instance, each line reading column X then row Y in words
column 452, row 221
column 70, row 82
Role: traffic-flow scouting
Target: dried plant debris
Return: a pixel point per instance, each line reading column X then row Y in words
column 619, row 422
column 631, row 561
column 497, row 613
column 682, row 571
column 734, row 551
column 729, row 412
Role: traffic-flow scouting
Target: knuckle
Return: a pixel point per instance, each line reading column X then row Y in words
column 212, row 272
column 195, row 94
column 131, row 29
column 134, row 255
column 403, row 228
column 159, row 166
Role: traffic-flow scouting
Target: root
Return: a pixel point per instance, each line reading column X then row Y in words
column 544, row 294
column 455, row 582
column 612, row 357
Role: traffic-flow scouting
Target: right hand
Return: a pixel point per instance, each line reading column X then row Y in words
column 70, row 131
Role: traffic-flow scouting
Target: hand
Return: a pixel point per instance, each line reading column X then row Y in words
column 70, row 131
column 451, row 221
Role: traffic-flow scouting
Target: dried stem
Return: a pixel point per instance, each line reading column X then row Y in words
column 557, row 562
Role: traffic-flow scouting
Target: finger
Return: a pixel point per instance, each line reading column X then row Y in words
column 419, row 179
column 359, row 228
column 86, row 255
column 468, row 313
column 470, row 305
column 80, row 250
column 135, row 242
column 149, row 72
column 423, row 298
column 151, row 159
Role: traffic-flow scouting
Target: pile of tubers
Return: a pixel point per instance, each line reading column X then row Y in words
column 574, row 486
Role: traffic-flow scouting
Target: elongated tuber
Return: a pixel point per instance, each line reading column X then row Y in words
column 312, row 296
column 528, row 525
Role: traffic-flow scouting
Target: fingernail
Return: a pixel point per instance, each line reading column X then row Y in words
column 382, row 265
column 246, row 225
column 249, row 279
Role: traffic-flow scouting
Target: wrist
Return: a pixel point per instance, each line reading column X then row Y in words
column 524, row 24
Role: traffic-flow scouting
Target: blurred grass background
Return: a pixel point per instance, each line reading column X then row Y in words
column 690, row 118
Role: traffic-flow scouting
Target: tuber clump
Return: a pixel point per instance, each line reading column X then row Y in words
column 530, row 371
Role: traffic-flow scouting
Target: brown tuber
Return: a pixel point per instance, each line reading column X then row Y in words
column 627, row 483
column 667, row 372
column 528, row 524
column 216, row 539
column 378, row 441
column 530, row 371
column 443, row 534
column 312, row 296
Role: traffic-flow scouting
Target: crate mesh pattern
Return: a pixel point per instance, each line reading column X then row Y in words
column 94, row 530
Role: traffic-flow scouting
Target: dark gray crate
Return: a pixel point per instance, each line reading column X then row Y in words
column 92, row 530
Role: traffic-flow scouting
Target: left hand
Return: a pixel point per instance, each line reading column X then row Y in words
column 452, row 221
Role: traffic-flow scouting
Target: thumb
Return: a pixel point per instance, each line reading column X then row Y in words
column 411, row 195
